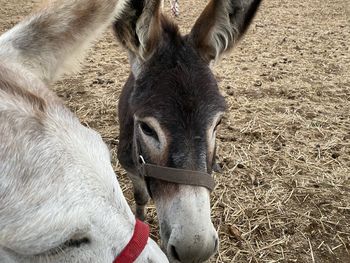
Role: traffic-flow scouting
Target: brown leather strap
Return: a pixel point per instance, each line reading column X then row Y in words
column 179, row 176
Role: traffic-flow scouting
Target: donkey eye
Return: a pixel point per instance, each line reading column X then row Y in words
column 147, row 130
column 77, row 242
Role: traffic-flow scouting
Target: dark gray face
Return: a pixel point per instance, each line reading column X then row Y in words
column 178, row 91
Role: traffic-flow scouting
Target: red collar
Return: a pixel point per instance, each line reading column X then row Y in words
column 136, row 244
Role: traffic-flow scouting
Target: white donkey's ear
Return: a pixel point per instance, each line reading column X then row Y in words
column 138, row 28
column 220, row 25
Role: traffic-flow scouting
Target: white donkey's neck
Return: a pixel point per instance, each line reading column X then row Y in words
column 66, row 163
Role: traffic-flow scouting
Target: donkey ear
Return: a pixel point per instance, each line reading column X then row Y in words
column 138, row 27
column 221, row 24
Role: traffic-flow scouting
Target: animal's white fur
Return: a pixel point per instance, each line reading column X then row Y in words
column 51, row 57
column 56, row 181
column 194, row 242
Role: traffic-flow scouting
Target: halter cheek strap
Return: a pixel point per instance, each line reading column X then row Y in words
column 136, row 244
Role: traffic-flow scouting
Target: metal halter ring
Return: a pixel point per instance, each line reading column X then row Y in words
column 141, row 159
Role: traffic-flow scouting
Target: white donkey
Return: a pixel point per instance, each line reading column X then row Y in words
column 59, row 197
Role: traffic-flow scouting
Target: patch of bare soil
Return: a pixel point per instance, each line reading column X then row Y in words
column 284, row 146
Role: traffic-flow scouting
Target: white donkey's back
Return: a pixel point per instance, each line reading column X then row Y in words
column 59, row 197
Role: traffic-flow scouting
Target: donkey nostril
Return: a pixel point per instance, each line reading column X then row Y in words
column 174, row 253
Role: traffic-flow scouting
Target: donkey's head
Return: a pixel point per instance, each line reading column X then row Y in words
column 170, row 109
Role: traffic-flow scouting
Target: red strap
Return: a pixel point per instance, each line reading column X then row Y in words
column 136, row 244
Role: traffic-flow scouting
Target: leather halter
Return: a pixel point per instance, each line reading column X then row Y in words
column 136, row 244
column 175, row 175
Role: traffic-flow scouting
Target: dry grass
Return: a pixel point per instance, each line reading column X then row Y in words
column 284, row 194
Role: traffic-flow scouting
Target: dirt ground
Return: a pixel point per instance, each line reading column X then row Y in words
column 284, row 145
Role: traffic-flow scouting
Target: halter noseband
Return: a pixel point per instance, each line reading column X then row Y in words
column 175, row 175
column 136, row 244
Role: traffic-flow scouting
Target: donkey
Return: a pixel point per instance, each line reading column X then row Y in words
column 169, row 112
column 59, row 197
